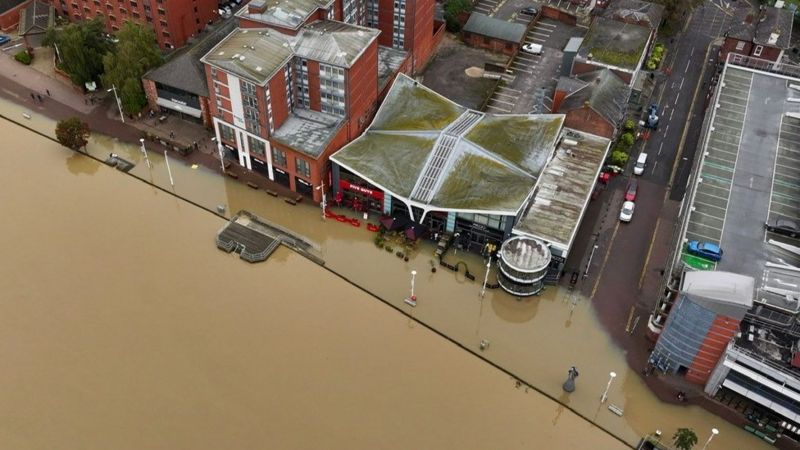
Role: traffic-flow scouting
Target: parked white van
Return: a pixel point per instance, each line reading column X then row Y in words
column 641, row 162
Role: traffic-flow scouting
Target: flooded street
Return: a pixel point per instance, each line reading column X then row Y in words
column 124, row 327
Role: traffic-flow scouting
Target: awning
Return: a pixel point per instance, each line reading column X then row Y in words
column 194, row 112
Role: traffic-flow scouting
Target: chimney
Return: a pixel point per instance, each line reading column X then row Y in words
column 773, row 38
column 257, row 7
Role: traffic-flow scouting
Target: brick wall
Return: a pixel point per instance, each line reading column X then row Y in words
column 419, row 31
column 277, row 91
column 150, row 91
column 493, row 45
column 361, row 84
column 313, row 85
column 9, row 20
column 182, row 21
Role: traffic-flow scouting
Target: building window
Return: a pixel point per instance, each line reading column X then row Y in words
column 302, row 167
column 213, row 73
column 301, row 70
column 278, row 157
column 372, row 13
column 758, row 50
column 226, row 133
column 399, row 28
column 257, row 147
column 740, row 45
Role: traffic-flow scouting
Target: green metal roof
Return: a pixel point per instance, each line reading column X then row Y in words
column 439, row 155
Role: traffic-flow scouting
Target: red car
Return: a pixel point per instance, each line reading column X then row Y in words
column 630, row 192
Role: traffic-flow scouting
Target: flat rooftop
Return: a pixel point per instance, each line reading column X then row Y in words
column 308, row 131
column 283, row 13
column 749, row 173
column 564, row 189
column 389, row 62
column 615, row 43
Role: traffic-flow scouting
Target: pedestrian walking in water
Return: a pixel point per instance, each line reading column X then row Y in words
column 39, row 96
column 33, row 96
column 48, row 92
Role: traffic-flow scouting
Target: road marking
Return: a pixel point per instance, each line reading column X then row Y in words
column 687, row 66
column 605, row 260
column 655, row 164
column 649, row 251
column 667, row 129
column 501, row 101
column 545, row 24
column 692, row 52
column 547, row 35
column 676, row 98
column 536, row 39
column 505, row 95
column 510, row 89
column 659, row 148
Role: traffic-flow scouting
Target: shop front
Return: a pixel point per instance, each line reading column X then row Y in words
column 359, row 197
column 303, row 187
column 476, row 232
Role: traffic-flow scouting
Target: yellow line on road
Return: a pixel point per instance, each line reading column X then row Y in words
column 605, row 259
column 649, row 251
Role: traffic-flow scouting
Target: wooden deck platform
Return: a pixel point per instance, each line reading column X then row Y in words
column 251, row 245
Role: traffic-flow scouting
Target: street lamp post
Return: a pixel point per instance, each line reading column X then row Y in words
column 714, row 432
column 323, row 204
column 412, row 300
column 221, row 158
column 486, row 277
column 169, row 171
column 608, row 386
column 144, row 151
column 119, row 104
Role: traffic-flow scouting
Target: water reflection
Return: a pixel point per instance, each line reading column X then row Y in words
column 80, row 164
column 515, row 310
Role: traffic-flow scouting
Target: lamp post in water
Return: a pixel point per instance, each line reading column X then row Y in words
column 569, row 385
column 714, row 432
column 608, row 386
column 486, row 278
column 324, row 204
column 119, row 104
column 221, row 157
column 169, row 171
column 144, row 151
column 412, row 300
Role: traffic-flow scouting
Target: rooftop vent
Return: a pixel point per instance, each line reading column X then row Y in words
column 258, row 69
column 235, row 56
column 221, row 53
column 360, row 33
column 569, row 142
column 241, row 58
column 773, row 38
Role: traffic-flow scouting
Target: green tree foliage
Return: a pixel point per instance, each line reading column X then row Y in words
column 81, row 47
column 627, row 140
column 72, row 133
column 619, row 158
column 452, row 9
column 684, row 439
column 135, row 53
column 24, row 57
column 629, row 125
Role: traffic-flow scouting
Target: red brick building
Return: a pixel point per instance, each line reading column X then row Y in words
column 9, row 13
column 404, row 24
column 765, row 36
column 174, row 21
column 593, row 102
column 282, row 103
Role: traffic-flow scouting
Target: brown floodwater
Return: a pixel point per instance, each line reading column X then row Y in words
column 166, row 252
column 122, row 326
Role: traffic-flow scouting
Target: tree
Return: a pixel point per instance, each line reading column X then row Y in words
column 627, row 139
column 684, row 439
column 80, row 48
column 619, row 158
column 136, row 52
column 629, row 125
column 72, row 133
column 675, row 11
column 452, row 9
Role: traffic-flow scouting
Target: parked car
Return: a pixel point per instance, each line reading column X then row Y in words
column 534, row 49
column 705, row 250
column 631, row 190
column 529, row 11
column 785, row 227
column 641, row 162
column 4, row 39
column 652, row 117
column 626, row 214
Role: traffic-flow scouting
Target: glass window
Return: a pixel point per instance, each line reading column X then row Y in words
column 226, row 132
column 278, row 157
column 758, row 50
column 257, row 146
column 302, row 167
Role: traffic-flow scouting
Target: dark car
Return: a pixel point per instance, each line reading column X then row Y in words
column 785, row 227
column 529, row 11
column 4, row 39
column 630, row 192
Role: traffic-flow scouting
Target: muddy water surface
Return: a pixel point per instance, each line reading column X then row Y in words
column 537, row 339
column 122, row 326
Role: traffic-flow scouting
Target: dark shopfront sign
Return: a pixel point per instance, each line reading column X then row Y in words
column 347, row 186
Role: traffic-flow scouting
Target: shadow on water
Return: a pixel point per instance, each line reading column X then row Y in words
column 80, row 164
column 514, row 310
